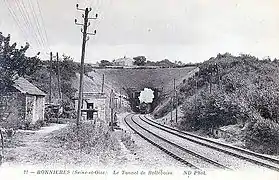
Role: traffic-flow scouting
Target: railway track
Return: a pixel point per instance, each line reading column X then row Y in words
column 258, row 159
column 174, row 150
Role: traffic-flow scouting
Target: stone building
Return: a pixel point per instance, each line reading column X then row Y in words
column 93, row 106
column 21, row 105
column 124, row 62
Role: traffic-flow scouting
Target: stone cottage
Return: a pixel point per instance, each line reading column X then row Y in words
column 21, row 105
column 124, row 62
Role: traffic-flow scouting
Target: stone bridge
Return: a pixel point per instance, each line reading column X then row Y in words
column 133, row 81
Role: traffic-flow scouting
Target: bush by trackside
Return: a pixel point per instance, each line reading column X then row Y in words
column 263, row 137
column 89, row 138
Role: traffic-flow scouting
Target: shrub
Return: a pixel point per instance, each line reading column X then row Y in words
column 205, row 111
column 164, row 110
column 88, row 139
column 37, row 125
column 263, row 137
column 127, row 140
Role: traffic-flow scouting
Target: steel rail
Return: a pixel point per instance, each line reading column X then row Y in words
column 173, row 144
column 165, row 128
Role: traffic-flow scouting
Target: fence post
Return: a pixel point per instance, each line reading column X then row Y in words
column 2, row 149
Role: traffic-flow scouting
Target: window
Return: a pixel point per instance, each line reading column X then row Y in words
column 90, row 105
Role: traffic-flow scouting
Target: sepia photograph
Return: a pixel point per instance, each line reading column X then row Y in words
column 139, row 89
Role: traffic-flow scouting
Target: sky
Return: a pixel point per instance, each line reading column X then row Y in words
column 179, row 30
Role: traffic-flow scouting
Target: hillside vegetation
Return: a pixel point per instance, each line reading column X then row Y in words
column 241, row 91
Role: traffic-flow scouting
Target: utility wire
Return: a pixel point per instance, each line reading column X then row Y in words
column 25, row 17
column 35, row 22
column 27, row 21
column 14, row 17
column 38, row 23
column 43, row 24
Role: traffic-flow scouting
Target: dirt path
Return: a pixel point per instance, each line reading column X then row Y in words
column 28, row 147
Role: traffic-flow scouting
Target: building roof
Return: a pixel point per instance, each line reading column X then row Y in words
column 26, row 87
column 89, row 95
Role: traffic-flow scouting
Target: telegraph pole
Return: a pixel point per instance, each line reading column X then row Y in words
column 210, row 81
column 85, row 38
column 58, row 77
column 50, row 78
column 196, row 99
column 171, row 107
column 112, row 106
column 120, row 99
column 219, row 77
column 175, row 100
column 196, row 94
column 103, row 83
column 58, row 85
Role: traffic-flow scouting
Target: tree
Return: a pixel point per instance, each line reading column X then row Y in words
column 68, row 68
column 150, row 63
column 14, row 62
column 179, row 63
column 140, row 60
column 105, row 63
column 165, row 63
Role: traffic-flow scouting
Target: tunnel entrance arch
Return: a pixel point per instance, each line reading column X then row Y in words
column 133, row 98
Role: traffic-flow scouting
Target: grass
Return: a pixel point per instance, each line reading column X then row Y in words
column 96, row 141
column 91, row 146
column 128, row 142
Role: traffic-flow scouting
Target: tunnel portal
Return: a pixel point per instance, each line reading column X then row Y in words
column 137, row 106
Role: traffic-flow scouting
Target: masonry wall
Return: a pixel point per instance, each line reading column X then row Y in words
column 99, row 104
column 12, row 110
column 35, row 106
